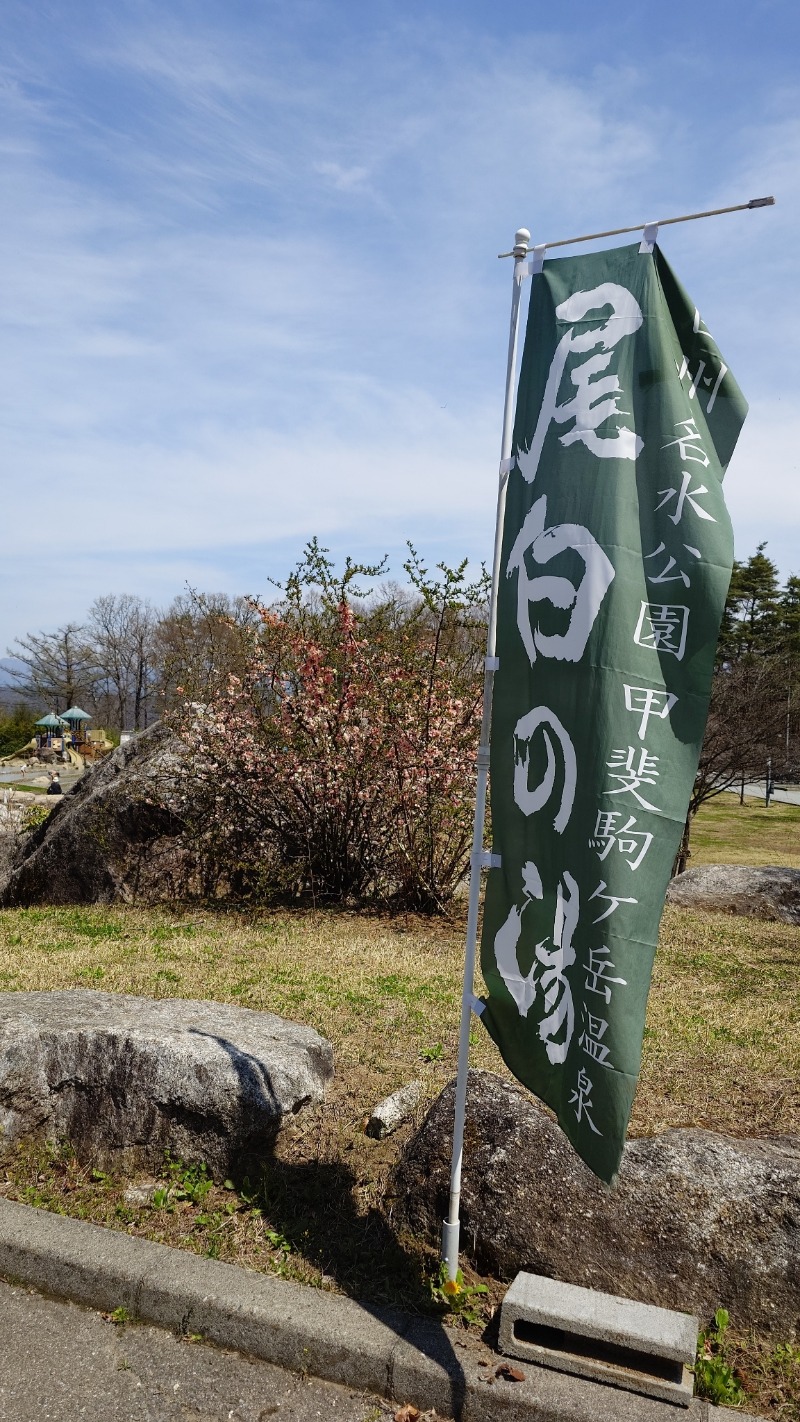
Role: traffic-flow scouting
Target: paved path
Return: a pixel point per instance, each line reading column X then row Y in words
column 37, row 775
column 783, row 794
column 65, row 1363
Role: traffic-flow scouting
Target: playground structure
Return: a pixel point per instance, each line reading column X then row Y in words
column 63, row 739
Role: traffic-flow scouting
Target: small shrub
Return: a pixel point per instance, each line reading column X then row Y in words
column 338, row 763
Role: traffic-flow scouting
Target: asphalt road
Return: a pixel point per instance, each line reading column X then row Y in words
column 782, row 795
column 63, row 1363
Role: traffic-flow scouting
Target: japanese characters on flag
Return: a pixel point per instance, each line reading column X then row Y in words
column 617, row 555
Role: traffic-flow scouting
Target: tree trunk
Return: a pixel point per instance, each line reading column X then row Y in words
column 684, row 853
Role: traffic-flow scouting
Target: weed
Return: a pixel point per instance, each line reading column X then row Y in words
column 91, row 923
column 455, row 1296
column 34, row 815
column 713, row 1374
column 120, row 1316
column 786, row 1359
column 188, row 1182
column 278, row 1241
column 434, row 1053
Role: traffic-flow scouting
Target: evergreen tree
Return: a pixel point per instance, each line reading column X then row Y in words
column 751, row 621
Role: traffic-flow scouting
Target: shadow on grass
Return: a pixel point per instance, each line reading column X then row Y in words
column 312, row 1205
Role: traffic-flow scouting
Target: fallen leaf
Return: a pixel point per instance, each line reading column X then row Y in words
column 511, row 1374
column 407, row 1413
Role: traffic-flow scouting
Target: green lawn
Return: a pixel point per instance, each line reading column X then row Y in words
column 726, row 832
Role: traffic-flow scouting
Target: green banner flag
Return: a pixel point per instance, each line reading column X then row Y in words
column 617, row 555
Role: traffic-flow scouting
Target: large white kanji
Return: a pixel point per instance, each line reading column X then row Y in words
column 583, row 601
column 632, row 772
column 552, row 958
column 647, row 701
column 683, row 495
column 597, row 396
column 608, row 833
column 581, row 1099
column 662, row 626
column 689, row 443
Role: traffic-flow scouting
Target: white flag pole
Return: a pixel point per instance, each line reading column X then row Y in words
column 478, row 860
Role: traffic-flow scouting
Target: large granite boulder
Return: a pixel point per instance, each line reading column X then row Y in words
column 695, row 1220
column 772, row 893
column 117, row 836
column 126, row 1078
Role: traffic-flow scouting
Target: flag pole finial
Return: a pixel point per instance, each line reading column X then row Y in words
column 522, row 239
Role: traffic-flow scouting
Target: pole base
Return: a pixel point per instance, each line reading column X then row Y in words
column 450, row 1238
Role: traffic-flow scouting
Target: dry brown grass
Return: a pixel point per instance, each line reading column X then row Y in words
column 722, row 1041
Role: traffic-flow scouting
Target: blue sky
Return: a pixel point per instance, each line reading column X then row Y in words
column 249, row 260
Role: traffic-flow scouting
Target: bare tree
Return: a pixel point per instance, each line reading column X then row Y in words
column 56, row 667
column 199, row 642
column 120, row 633
column 745, row 725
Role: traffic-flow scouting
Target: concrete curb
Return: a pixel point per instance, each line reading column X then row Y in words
column 301, row 1329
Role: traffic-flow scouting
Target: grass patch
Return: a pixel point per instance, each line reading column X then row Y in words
column 722, row 1039
column 725, row 832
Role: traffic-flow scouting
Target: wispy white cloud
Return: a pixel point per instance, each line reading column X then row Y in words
column 253, row 291
column 342, row 178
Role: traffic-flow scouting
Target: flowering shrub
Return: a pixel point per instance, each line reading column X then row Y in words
column 339, row 763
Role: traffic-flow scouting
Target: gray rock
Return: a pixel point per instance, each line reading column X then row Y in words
column 695, row 1220
column 139, row 1195
column 117, row 836
column 771, row 893
column 393, row 1110
column 125, row 1078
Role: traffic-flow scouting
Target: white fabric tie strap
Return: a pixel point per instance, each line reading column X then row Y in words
column 649, row 237
column 534, row 266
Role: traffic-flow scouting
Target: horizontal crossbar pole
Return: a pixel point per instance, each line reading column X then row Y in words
column 662, row 222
